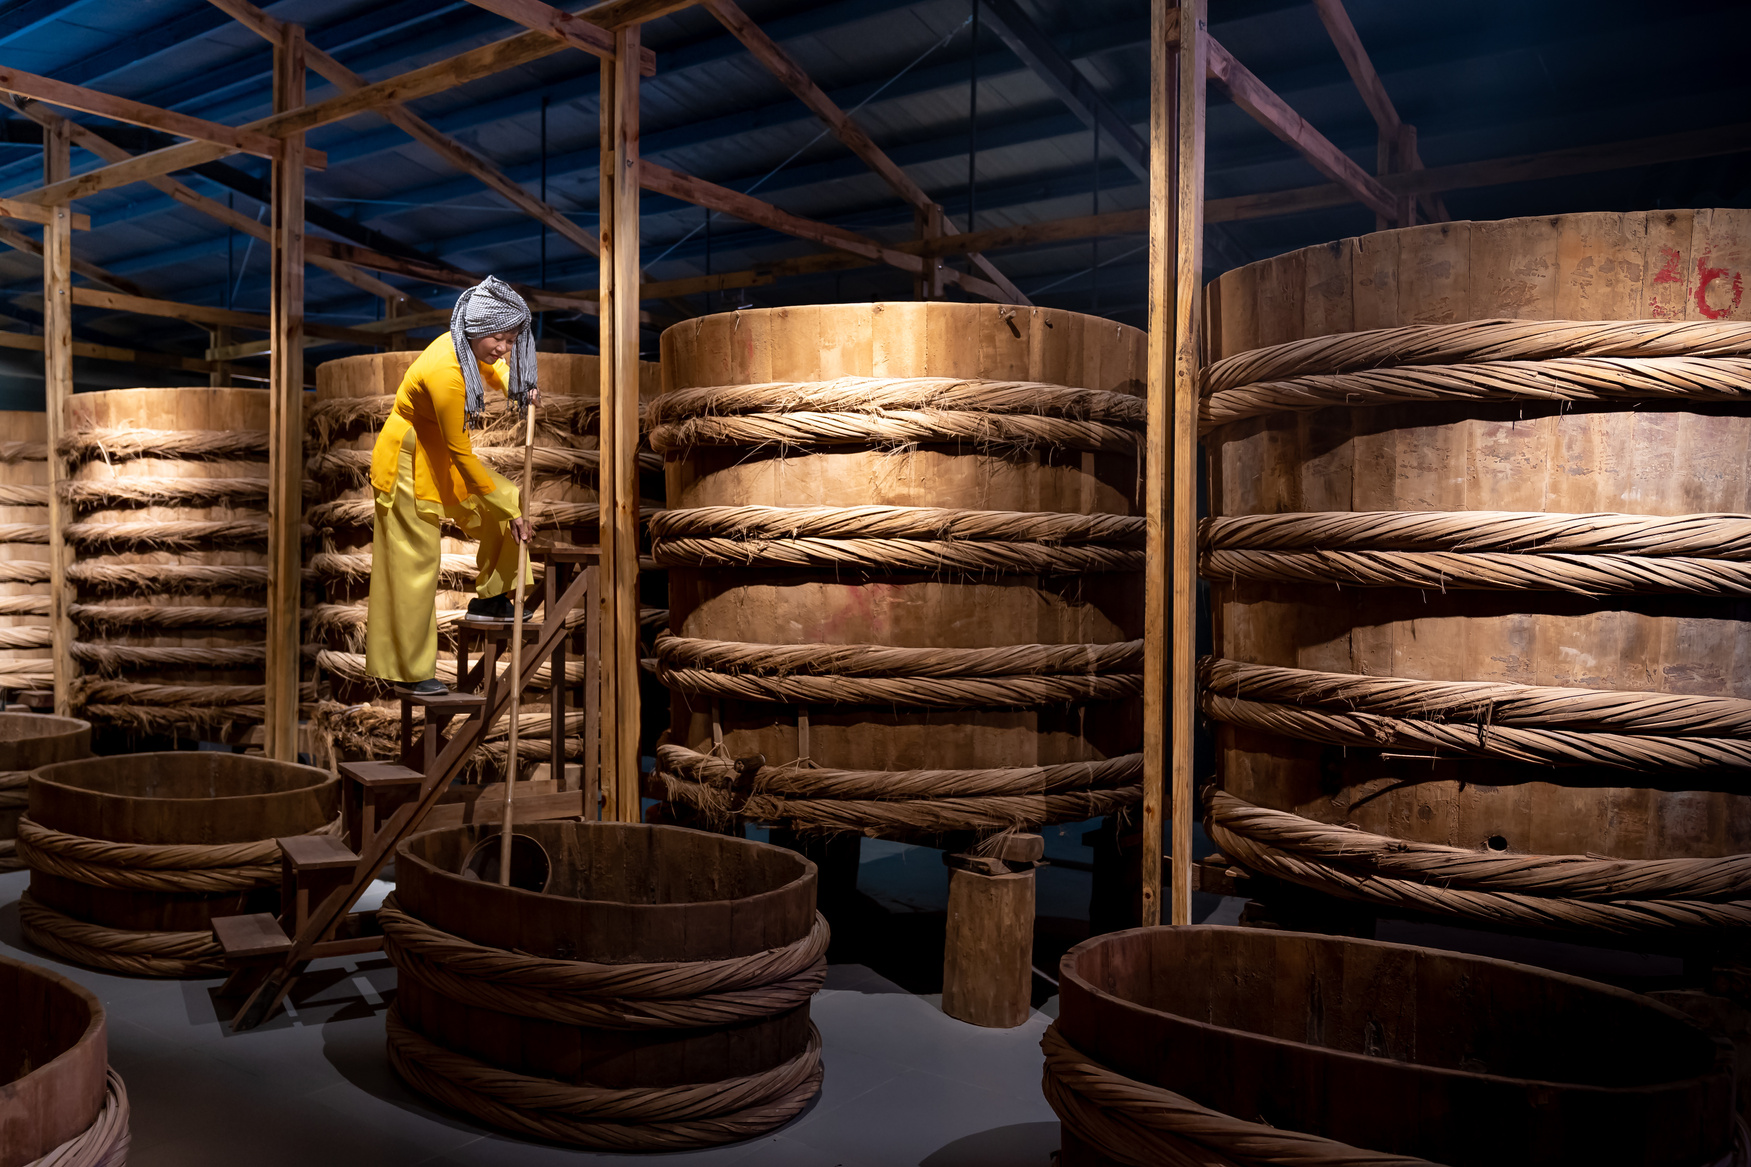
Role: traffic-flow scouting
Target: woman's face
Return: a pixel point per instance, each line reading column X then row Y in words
column 489, row 349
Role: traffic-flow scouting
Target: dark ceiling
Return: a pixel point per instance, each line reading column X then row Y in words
column 1480, row 80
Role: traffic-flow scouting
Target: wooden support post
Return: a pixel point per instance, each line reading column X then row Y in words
column 286, row 414
column 57, row 389
column 618, row 483
column 928, row 285
column 218, row 337
column 1176, row 192
column 988, row 959
column 1182, row 464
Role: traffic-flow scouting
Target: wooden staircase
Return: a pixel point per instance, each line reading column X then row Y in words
column 385, row 802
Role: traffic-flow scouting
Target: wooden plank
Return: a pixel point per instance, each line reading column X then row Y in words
column 120, row 109
column 286, row 416
column 622, row 175
column 1272, row 112
column 614, row 13
column 104, row 352
column 203, row 314
column 31, row 213
column 792, row 75
column 57, row 391
column 1195, row 45
column 698, row 191
column 575, row 31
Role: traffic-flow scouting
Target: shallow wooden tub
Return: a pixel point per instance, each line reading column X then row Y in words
column 29, row 740
column 54, row 1064
column 654, row 997
column 1437, row 1056
column 132, row 856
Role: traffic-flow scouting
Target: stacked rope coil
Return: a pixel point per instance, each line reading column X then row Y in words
column 176, row 550
column 1144, row 1125
column 1000, row 418
column 1596, row 556
column 176, row 868
column 633, row 996
column 106, row 1141
column 25, row 662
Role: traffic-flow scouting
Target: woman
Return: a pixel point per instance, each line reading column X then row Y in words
column 424, row 470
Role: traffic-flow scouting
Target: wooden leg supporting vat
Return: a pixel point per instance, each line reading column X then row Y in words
column 987, row 968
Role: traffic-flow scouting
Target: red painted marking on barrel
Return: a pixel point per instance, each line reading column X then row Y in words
column 1670, row 261
column 1705, row 276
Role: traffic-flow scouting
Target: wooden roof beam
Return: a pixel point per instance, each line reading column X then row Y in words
column 698, row 191
column 204, row 314
column 421, row 131
column 1349, row 45
column 47, row 89
column 792, row 75
column 576, row 31
column 1272, row 112
column 31, row 213
column 91, row 141
column 417, row 83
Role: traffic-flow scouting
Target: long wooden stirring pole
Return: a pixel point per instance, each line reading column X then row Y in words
column 517, row 654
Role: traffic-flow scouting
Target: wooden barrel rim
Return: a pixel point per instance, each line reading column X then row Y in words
column 59, row 1099
column 1132, row 1038
column 58, row 799
column 55, row 737
column 492, row 915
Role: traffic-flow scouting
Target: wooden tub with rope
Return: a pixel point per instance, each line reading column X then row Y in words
column 29, row 740
column 26, row 660
column 1479, row 552
column 1246, row 1047
column 132, row 856
column 653, row 997
column 60, row 1103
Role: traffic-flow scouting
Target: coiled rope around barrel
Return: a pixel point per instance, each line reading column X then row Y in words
column 1589, row 555
column 1148, row 1126
column 1563, row 892
column 673, row 995
column 178, row 868
column 662, row 1118
column 988, row 414
column 1620, row 729
column 872, row 801
column 105, row 1142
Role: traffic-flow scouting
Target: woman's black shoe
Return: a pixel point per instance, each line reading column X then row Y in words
column 428, row 688
column 501, row 609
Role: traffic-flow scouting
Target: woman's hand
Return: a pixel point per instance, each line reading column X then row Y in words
column 534, row 398
column 522, row 530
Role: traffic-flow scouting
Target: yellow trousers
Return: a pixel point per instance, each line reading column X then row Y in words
column 401, row 631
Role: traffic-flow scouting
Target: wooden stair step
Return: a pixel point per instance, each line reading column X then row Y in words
column 317, row 853
column 564, row 552
column 381, row 774
column 443, row 701
column 500, row 629
column 250, row 937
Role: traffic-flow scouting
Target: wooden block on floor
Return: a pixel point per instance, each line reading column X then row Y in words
column 987, row 970
column 317, row 853
column 250, row 937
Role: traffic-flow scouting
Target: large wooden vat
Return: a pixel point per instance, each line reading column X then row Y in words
column 905, row 554
column 654, row 997
column 132, row 856
column 1278, row 1044
column 26, row 662
column 29, row 740
column 167, row 511
column 55, row 1084
column 1478, row 572
column 353, row 398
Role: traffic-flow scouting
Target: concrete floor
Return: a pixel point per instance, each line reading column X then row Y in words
column 904, row 1084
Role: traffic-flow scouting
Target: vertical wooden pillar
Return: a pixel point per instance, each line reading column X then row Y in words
column 1176, row 223
column 619, row 267
column 286, row 412
column 928, row 285
column 219, row 336
column 1188, row 296
column 57, row 389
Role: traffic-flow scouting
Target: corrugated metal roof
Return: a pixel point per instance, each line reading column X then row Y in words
column 1479, row 80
